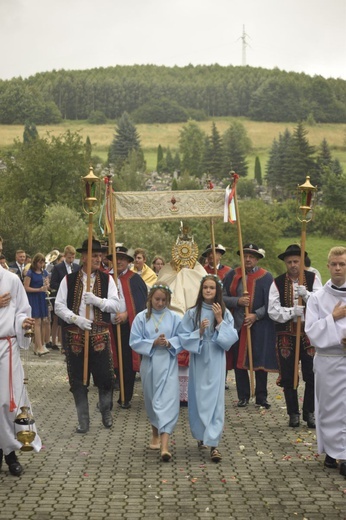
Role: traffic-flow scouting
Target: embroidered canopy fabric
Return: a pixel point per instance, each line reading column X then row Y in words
column 164, row 205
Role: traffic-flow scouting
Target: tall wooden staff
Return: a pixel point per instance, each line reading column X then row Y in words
column 233, row 197
column 112, row 250
column 305, row 192
column 91, row 182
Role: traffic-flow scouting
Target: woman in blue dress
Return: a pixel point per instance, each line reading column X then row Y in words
column 154, row 337
column 36, row 286
column 207, row 332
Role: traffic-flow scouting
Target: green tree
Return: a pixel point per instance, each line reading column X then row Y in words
column 188, row 182
column 290, row 160
column 130, row 177
column 169, row 160
column 302, row 161
column 334, row 190
column 213, row 155
column 162, row 110
column 45, row 171
column 257, row 226
column 160, row 159
column 176, row 162
column 88, row 149
column 97, row 117
column 55, row 230
column 258, row 171
column 337, row 168
column 236, row 146
column 246, row 188
column 30, row 132
column 125, row 140
column 191, row 146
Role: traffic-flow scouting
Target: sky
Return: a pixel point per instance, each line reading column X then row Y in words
column 298, row 35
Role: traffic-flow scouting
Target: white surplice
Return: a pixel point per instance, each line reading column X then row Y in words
column 330, row 369
column 11, row 320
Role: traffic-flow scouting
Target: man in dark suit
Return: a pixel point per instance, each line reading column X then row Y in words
column 17, row 267
column 59, row 271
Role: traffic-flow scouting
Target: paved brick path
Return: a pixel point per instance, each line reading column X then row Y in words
column 269, row 471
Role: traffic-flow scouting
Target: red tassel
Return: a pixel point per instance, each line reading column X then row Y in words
column 13, row 405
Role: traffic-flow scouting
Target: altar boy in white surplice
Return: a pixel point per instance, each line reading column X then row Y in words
column 326, row 328
column 15, row 317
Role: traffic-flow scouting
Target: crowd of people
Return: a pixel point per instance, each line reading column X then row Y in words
column 181, row 324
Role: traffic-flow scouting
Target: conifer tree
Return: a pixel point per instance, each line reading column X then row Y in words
column 213, row 155
column 88, row 149
column 302, row 160
column 258, row 171
column 159, row 161
column 169, row 161
column 236, row 146
column 125, row 140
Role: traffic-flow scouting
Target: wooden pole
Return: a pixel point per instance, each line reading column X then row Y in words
column 245, row 291
column 87, row 308
column 300, row 302
column 111, row 245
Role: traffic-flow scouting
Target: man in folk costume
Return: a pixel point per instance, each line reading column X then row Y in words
column 326, row 329
column 70, row 306
column 284, row 309
column 135, row 295
column 15, row 313
column 222, row 270
column 258, row 282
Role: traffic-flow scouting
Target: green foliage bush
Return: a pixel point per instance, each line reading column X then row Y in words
column 97, row 117
column 162, row 110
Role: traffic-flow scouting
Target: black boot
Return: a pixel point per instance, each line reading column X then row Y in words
column 82, row 406
column 105, row 405
column 291, row 398
column 309, row 417
column 13, row 464
column 1, row 457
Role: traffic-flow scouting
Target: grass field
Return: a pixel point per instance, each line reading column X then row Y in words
column 317, row 248
column 261, row 134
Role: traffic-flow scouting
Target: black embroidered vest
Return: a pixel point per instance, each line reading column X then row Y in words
column 75, row 292
column 285, row 288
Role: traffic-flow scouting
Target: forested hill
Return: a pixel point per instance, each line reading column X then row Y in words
column 176, row 92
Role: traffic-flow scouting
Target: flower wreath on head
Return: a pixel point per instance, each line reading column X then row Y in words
column 214, row 276
column 161, row 286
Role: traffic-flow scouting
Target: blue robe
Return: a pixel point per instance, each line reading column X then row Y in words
column 206, row 390
column 159, row 367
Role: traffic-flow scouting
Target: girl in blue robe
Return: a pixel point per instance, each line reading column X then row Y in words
column 207, row 332
column 154, row 336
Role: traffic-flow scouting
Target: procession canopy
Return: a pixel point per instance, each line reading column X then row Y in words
column 166, row 205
